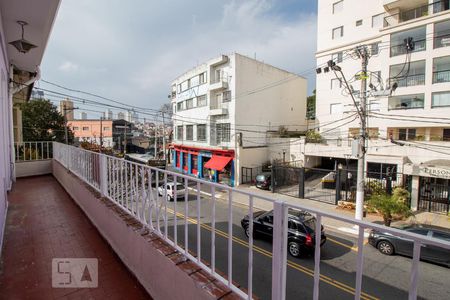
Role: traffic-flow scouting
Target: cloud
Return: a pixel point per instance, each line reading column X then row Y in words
column 141, row 48
column 68, row 66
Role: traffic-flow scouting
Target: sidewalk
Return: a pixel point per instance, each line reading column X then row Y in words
column 44, row 223
column 242, row 200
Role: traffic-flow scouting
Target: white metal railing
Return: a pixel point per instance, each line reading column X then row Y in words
column 133, row 187
column 39, row 150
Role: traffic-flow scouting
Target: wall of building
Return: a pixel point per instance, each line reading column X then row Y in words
column 5, row 134
column 259, row 109
column 33, row 168
column 93, row 133
column 291, row 147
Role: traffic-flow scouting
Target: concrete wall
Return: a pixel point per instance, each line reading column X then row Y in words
column 163, row 273
column 292, row 147
column 33, row 168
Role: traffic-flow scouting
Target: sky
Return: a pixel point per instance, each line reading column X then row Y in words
column 131, row 51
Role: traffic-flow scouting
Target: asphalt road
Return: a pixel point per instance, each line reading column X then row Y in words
column 384, row 277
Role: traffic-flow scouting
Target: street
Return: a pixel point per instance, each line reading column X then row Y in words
column 385, row 277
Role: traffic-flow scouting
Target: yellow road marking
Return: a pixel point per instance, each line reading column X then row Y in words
column 329, row 280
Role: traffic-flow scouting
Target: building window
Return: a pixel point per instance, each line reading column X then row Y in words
column 411, row 75
column 442, row 34
column 377, row 21
column 406, row 102
column 202, row 78
column 338, row 32
column 201, row 101
column 440, row 99
column 85, row 128
column 359, row 23
column 375, row 48
column 106, row 128
column 174, row 108
column 189, row 103
column 441, row 69
column 223, row 132
column 189, row 132
column 406, row 134
column 336, row 83
column 418, row 35
column 446, row 134
column 337, row 57
column 180, row 106
column 201, row 132
column 76, row 128
column 226, row 96
column 338, row 6
column 184, row 85
column 180, row 132
column 336, row 108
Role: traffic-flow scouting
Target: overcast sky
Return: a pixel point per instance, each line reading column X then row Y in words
column 132, row 50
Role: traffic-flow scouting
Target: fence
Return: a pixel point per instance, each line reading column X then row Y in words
column 248, row 175
column 133, row 188
column 26, row 151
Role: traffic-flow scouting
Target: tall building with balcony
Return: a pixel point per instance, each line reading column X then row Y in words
column 413, row 112
column 223, row 110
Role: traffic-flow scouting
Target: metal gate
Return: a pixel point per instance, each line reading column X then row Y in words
column 434, row 195
column 320, row 185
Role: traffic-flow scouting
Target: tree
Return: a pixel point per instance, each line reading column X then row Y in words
column 311, row 106
column 391, row 205
column 41, row 121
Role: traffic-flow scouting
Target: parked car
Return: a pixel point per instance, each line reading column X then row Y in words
column 389, row 244
column 170, row 188
column 301, row 230
column 264, row 181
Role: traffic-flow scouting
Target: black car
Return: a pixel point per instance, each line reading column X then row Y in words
column 301, row 228
column 388, row 244
column 264, row 181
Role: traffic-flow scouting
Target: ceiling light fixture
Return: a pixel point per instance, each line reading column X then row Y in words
column 22, row 45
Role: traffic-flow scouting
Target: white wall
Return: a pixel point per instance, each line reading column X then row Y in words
column 354, row 35
column 5, row 134
column 292, row 147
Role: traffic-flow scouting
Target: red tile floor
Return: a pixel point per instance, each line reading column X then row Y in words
column 44, row 223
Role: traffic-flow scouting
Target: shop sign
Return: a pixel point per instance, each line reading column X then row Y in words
column 427, row 171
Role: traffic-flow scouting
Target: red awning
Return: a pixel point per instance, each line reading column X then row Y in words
column 218, row 162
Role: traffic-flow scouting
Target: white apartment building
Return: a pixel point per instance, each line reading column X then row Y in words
column 223, row 110
column 414, row 113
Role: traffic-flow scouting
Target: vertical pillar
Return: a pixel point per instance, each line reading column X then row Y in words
column 200, row 166
column 415, row 193
column 181, row 161
column 232, row 172
column 189, row 163
column 174, row 160
column 301, row 184
column 103, row 175
column 338, row 186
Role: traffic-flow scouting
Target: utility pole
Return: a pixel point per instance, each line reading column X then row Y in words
column 164, row 136
column 66, row 134
column 156, row 140
column 101, row 133
column 363, row 54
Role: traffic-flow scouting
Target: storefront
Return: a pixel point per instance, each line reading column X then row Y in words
column 209, row 164
column 430, row 186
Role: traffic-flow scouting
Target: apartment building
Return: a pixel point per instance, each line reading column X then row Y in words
column 223, row 110
column 415, row 112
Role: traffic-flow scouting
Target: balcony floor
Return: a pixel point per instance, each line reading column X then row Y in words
column 44, row 223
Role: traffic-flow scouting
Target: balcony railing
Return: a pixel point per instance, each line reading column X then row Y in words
column 27, row 151
column 417, row 12
column 441, row 76
column 132, row 187
column 411, row 80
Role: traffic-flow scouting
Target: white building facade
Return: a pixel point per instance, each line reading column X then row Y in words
column 416, row 113
column 223, row 110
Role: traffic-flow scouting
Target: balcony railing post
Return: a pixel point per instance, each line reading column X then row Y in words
column 279, row 251
column 103, row 175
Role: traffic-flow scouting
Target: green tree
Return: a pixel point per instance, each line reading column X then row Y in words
column 41, row 121
column 391, row 205
column 311, row 106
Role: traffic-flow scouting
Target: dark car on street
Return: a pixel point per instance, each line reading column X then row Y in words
column 301, row 230
column 264, row 181
column 389, row 244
